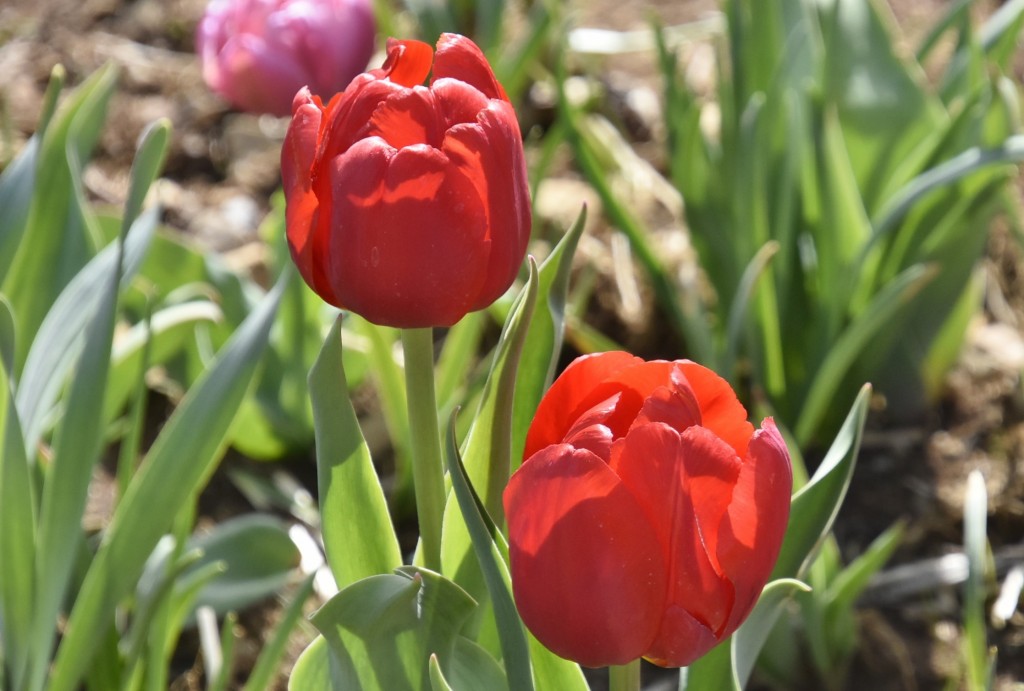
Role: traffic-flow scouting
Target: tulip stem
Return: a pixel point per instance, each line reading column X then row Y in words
column 624, row 677
column 427, row 468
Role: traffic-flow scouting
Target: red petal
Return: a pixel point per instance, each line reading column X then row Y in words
column 674, row 404
column 457, row 101
column 684, row 482
column 557, row 411
column 301, row 211
column 589, row 433
column 408, row 62
column 407, row 117
column 752, row 533
column 587, row 573
column 721, row 411
column 407, row 235
column 490, row 152
column 459, row 58
column 681, row 639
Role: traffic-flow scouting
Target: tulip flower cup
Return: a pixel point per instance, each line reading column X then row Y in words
column 648, row 514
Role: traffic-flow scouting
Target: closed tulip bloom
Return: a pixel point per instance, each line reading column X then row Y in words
column 257, row 54
column 648, row 515
column 407, row 201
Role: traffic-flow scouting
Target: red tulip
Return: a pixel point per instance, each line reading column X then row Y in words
column 648, row 515
column 408, row 204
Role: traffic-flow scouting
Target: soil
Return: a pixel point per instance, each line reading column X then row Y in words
column 222, row 168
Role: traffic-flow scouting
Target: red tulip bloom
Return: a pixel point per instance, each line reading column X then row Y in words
column 648, row 515
column 406, row 203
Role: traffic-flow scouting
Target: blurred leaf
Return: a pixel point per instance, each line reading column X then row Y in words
column 76, row 449
column 491, row 554
column 272, row 654
column 383, row 629
column 167, row 333
column 257, row 556
column 979, row 661
column 186, row 450
column 848, row 584
column 816, row 505
column 17, row 182
column 358, row 537
column 55, row 244
column 60, row 337
column 544, row 336
column 880, row 314
column 17, row 523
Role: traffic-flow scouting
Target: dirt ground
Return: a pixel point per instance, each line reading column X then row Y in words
column 222, row 168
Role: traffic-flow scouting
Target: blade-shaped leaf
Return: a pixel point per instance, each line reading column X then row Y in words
column 17, row 523
column 187, row 449
column 491, row 555
column 544, row 338
column 358, row 536
column 815, row 506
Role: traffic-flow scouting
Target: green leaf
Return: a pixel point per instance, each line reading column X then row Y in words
column 543, row 344
column 437, row 680
column 177, row 465
column 17, row 522
column 257, row 557
column 358, row 537
column 847, row 586
column 729, row 664
column 750, row 637
column 312, row 671
column 975, row 647
column 474, row 668
column 881, row 313
column 17, row 182
column 491, row 553
column 56, row 244
column 60, row 338
column 76, row 449
column 383, row 629
column 815, row 506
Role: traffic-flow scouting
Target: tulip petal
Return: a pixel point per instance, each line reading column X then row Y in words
column 587, row 572
column 408, row 62
column 457, row 101
column 721, row 411
column 560, row 407
column 681, row 639
column 407, row 235
column 406, row 118
column 459, row 58
column 684, row 481
column 752, row 532
column 674, row 404
column 301, row 210
column 490, row 153
column 589, row 433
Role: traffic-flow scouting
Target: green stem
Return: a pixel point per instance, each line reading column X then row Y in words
column 624, row 677
column 427, row 468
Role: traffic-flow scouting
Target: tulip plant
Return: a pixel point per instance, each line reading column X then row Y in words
column 623, row 510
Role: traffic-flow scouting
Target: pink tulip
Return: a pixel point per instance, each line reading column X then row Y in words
column 258, row 53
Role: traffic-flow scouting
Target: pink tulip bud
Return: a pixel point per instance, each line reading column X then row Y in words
column 258, row 53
